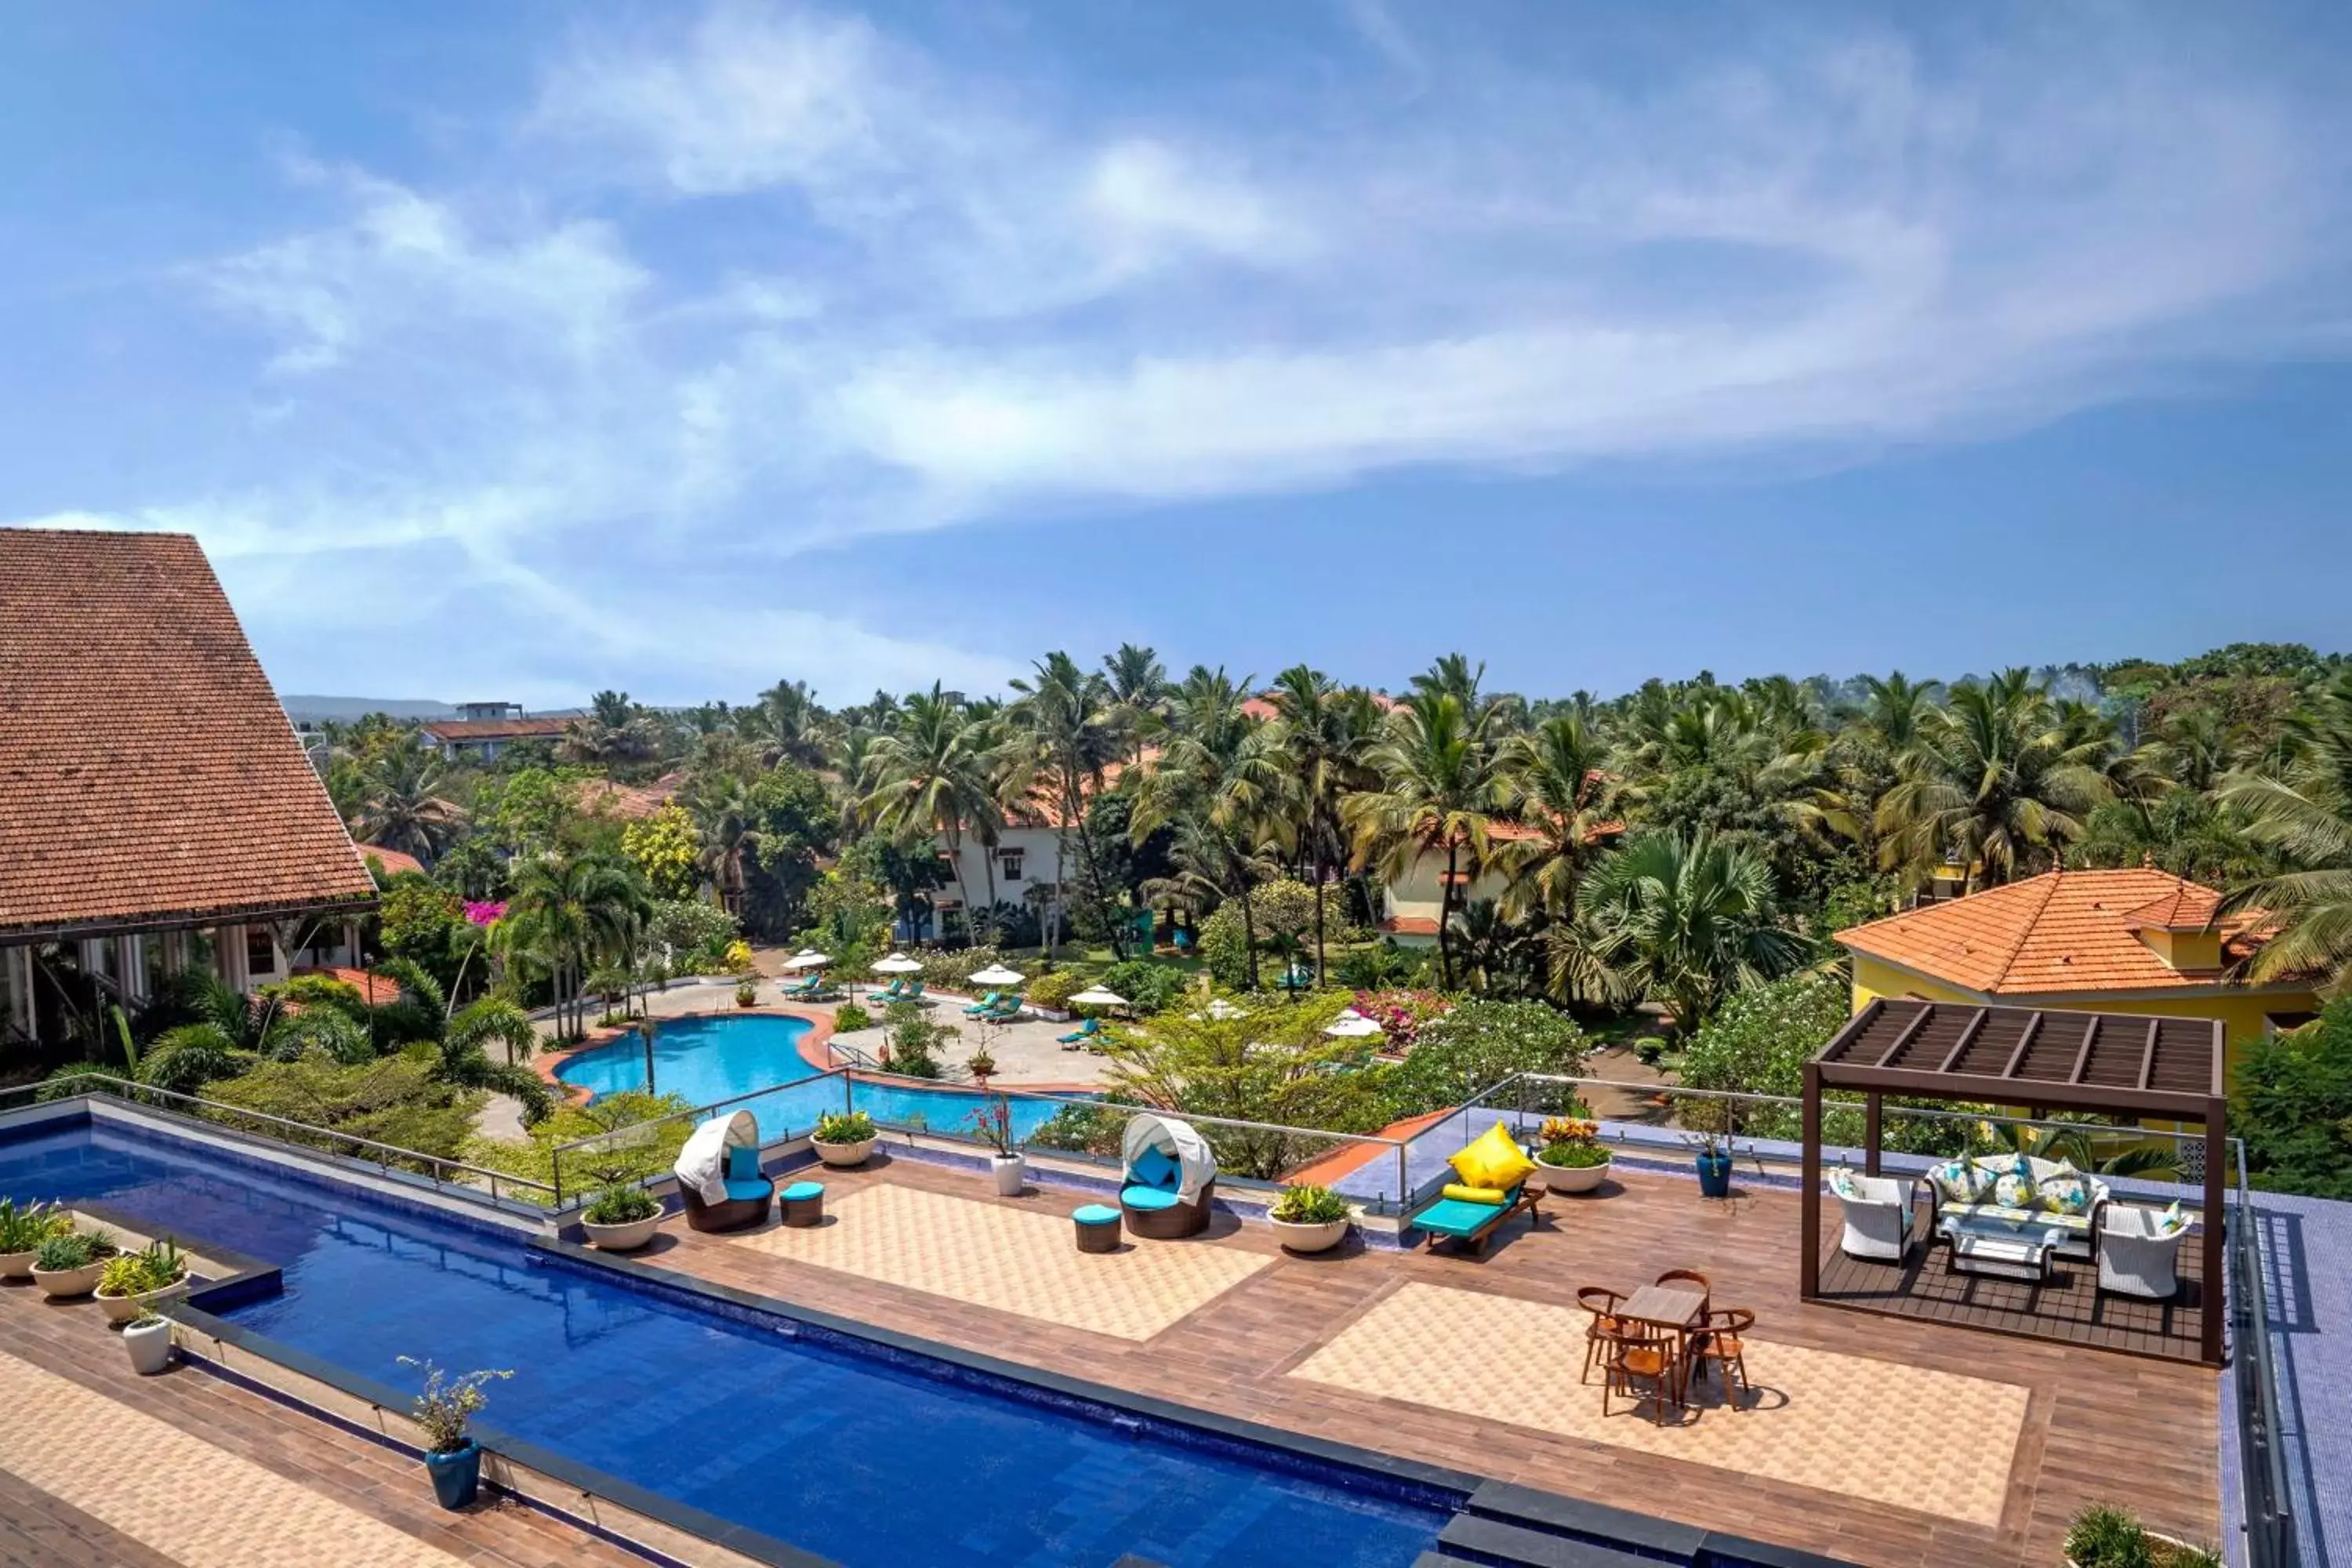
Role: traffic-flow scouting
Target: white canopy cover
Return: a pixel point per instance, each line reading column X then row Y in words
column 1180, row 1139
column 897, row 963
column 1100, row 996
column 997, row 974
column 702, row 1163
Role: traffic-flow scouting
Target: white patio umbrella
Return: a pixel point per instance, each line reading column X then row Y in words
column 1221, row 1010
column 1351, row 1026
column 1100, row 997
column 808, row 958
column 997, row 974
column 897, row 963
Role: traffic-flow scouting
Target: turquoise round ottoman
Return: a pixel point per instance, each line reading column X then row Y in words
column 1098, row 1229
column 803, row 1202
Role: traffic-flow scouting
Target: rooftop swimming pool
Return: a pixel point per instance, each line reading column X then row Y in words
column 871, row 1462
column 708, row 1059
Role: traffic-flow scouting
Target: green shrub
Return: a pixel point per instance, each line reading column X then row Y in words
column 1084, row 1129
column 76, row 1250
column 1053, row 992
column 912, row 1045
column 400, row 1100
column 2106, row 1537
column 839, row 1127
column 849, row 1018
column 640, row 1137
column 1147, row 986
column 2292, row 1102
column 619, row 1204
column 1309, row 1204
column 1477, row 1044
column 24, row 1228
column 1224, row 947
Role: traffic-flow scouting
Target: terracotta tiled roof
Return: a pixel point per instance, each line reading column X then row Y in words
column 375, row 989
column 394, row 861
column 1410, row 925
column 2061, row 932
column 447, row 730
column 147, row 773
column 635, row 802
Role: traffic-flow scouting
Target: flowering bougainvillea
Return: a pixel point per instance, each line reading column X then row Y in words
column 483, row 913
column 1401, row 1014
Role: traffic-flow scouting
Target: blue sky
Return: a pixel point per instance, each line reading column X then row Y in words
column 515, row 351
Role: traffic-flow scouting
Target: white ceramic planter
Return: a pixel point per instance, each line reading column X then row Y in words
column 625, row 1237
column 149, row 1345
column 122, row 1309
column 1570, row 1179
column 61, row 1282
column 1011, row 1171
column 841, row 1156
column 2171, row 1541
column 1317, row 1238
column 17, row 1265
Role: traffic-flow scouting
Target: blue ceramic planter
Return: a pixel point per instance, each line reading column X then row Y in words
column 457, row 1476
column 1715, row 1176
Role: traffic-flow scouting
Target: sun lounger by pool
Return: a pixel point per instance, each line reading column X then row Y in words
column 1472, row 1222
column 1081, row 1035
column 985, row 1005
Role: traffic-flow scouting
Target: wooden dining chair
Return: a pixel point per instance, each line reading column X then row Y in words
column 1602, row 1303
column 1724, row 1346
column 1689, row 1277
column 1639, row 1362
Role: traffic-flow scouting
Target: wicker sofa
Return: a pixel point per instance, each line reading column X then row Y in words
column 2081, row 1230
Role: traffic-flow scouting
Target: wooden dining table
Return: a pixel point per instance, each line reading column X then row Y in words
column 1678, row 1308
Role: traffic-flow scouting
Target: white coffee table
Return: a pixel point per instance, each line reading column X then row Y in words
column 2003, row 1249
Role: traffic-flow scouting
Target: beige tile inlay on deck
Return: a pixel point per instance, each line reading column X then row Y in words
column 1013, row 1260
column 1931, row 1441
column 197, row 1504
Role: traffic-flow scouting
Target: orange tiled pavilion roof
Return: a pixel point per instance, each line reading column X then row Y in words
column 2060, row 931
column 147, row 773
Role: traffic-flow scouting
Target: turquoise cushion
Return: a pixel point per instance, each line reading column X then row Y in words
column 1095, row 1214
column 1148, row 1197
column 743, row 1164
column 1452, row 1217
column 1155, row 1168
column 750, row 1192
column 800, row 1192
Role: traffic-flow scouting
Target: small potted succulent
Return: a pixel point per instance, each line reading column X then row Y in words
column 844, row 1139
column 22, row 1231
column 135, row 1281
column 148, row 1338
column 445, row 1409
column 2107, row 1537
column 992, row 1123
column 1308, row 1218
column 70, row 1265
column 1572, row 1156
column 621, row 1218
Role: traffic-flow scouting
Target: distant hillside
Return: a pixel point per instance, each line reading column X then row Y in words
column 300, row 706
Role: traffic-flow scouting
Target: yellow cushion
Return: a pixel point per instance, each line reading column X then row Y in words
column 1461, row 1194
column 1493, row 1161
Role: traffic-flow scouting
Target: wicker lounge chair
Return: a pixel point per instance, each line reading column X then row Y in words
column 719, row 1174
column 1878, row 1215
column 1170, row 1179
column 2138, row 1256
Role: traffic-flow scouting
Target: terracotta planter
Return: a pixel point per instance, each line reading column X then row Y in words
column 1319, row 1236
column 62, row 1282
column 149, row 1345
column 841, row 1156
column 122, row 1309
column 625, row 1237
column 1570, row 1179
column 17, row 1265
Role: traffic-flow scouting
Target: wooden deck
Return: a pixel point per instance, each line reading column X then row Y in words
column 2097, row 1428
column 2068, row 1310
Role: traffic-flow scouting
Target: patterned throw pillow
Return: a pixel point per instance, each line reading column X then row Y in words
column 2065, row 1190
column 1958, row 1181
column 2013, row 1191
column 1841, row 1183
column 2171, row 1222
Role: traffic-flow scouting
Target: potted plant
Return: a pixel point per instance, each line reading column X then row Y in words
column 131, row 1283
column 844, row 1139
column 70, row 1265
column 993, row 1124
column 2106, row 1537
column 445, row 1408
column 22, row 1231
column 1308, row 1218
column 983, row 1067
column 1713, row 1161
column 1573, row 1158
column 148, row 1338
column 621, row 1218
column 747, row 992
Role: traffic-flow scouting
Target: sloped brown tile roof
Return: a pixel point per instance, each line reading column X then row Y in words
column 147, row 773
column 633, row 802
column 394, row 861
column 446, row 730
column 2063, row 930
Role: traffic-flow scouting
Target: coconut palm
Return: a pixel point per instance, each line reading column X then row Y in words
column 1062, row 736
column 2304, row 812
column 1686, row 920
column 569, row 911
column 1322, row 732
column 1993, row 782
column 789, row 723
column 1555, row 780
column 932, row 776
column 401, row 806
column 1138, row 683
column 1438, row 793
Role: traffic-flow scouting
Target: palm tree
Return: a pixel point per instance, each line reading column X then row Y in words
column 1685, row 920
column 1992, row 781
column 931, row 777
column 1555, row 781
column 1321, row 733
column 1064, row 736
column 789, row 720
column 569, row 913
column 1213, row 863
column 1438, row 792
column 401, row 806
column 1222, row 781
column 1138, row 686
column 2305, row 814
column 1894, row 707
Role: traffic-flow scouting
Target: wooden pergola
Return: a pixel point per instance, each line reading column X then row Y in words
column 2111, row 1063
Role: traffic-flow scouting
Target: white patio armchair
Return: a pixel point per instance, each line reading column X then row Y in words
column 1878, row 1215
column 2137, row 1257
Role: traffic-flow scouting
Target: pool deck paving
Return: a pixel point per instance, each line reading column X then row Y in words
column 1475, row 1363
column 98, row 1466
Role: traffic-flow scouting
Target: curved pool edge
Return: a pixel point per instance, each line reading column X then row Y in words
column 546, row 1063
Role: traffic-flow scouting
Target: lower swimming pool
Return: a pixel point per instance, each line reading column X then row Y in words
column 871, row 1463
column 708, row 1059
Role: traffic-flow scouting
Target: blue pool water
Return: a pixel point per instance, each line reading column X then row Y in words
column 868, row 1463
column 713, row 1058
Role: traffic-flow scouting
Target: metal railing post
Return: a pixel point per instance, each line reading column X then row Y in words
column 1404, row 1178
